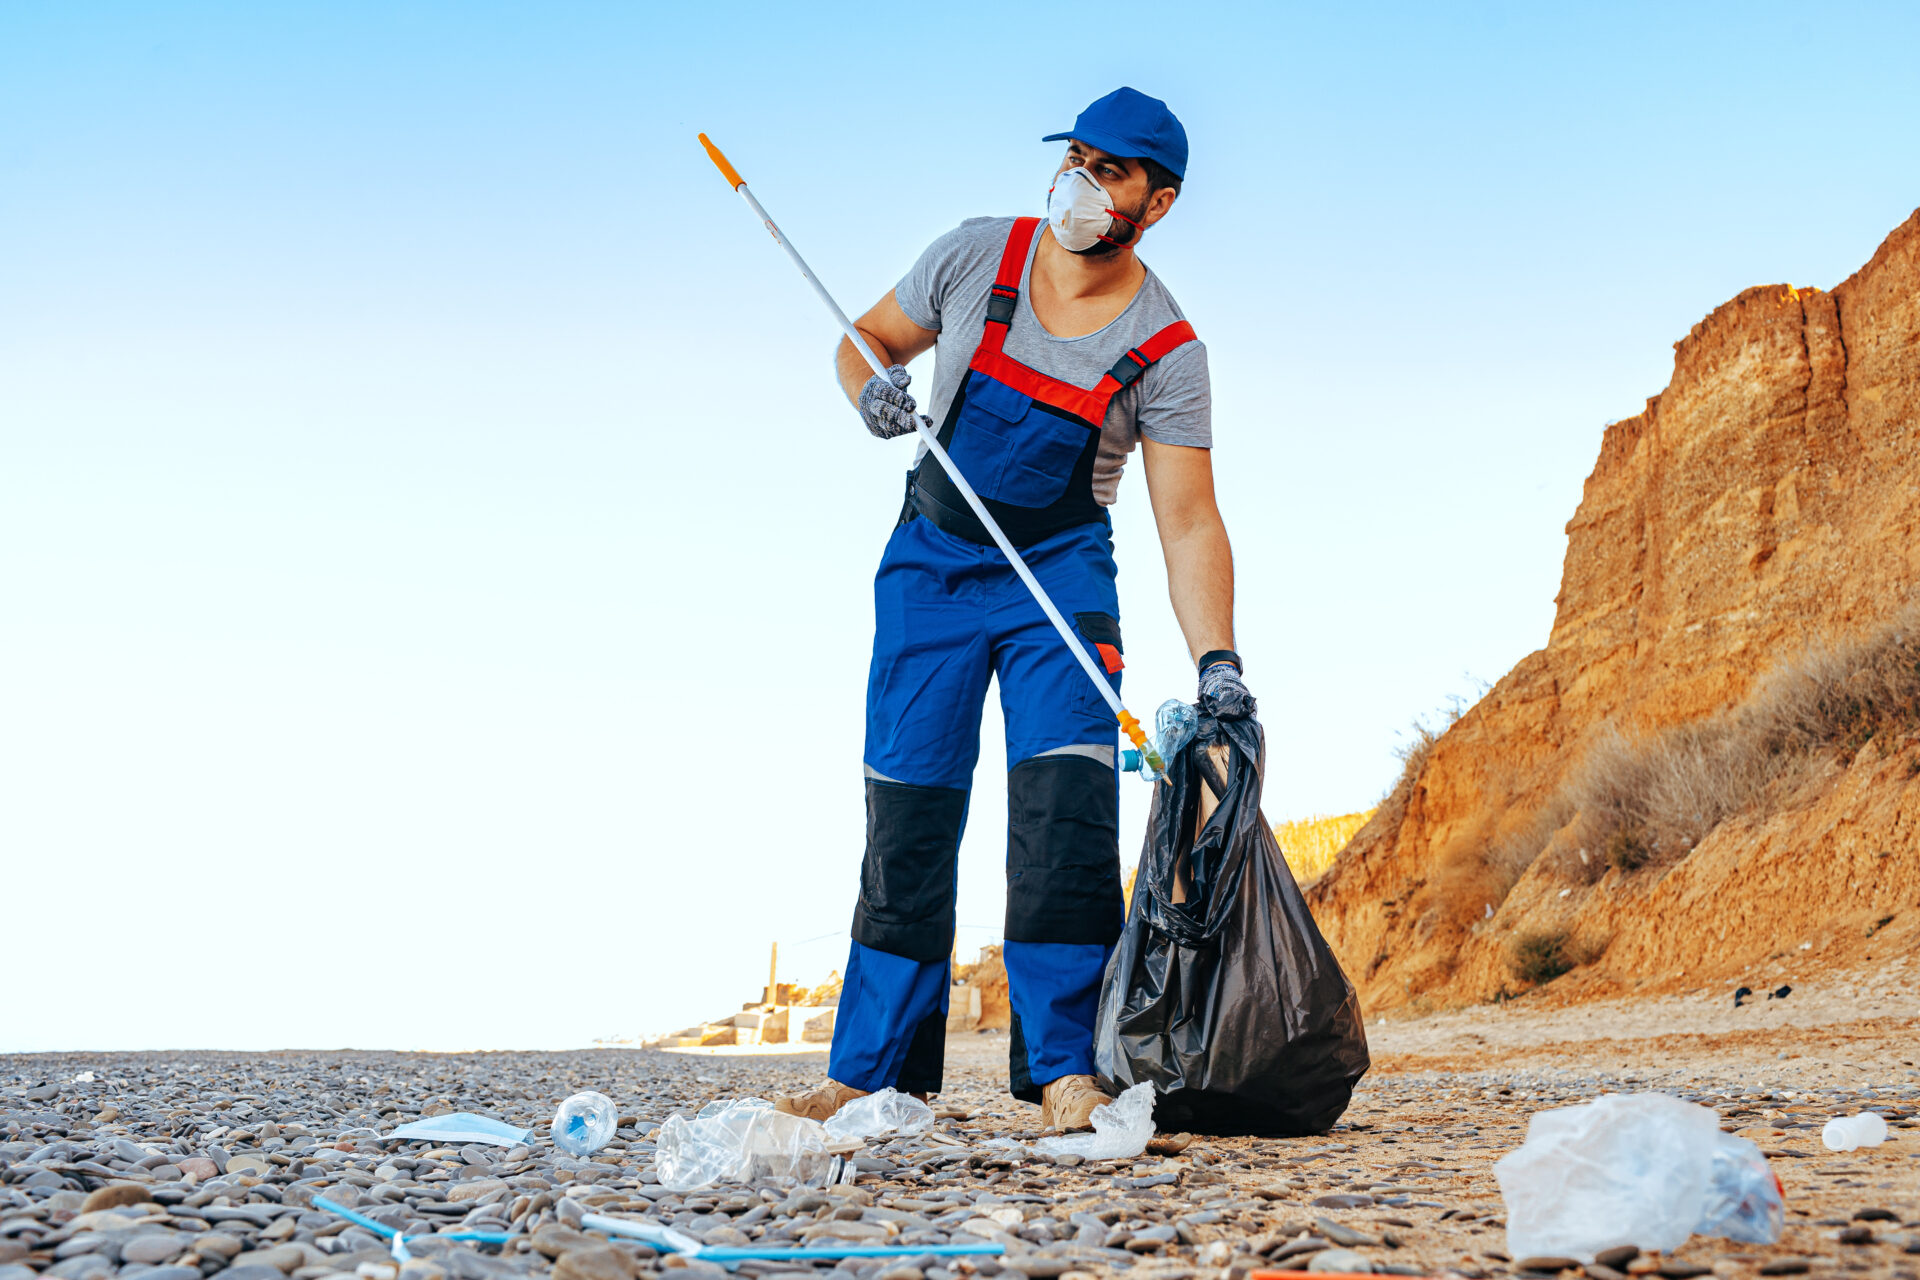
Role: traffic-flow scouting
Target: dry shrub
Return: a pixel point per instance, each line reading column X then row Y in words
column 1511, row 853
column 1474, row 872
column 1539, row 958
column 1628, row 849
column 1839, row 697
column 1464, row 881
column 1657, row 796
column 1651, row 799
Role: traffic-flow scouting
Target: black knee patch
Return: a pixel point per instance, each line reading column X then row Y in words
column 1063, row 851
column 1019, row 1071
column 923, row 1068
column 907, row 876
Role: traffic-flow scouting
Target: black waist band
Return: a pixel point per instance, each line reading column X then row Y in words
column 1023, row 526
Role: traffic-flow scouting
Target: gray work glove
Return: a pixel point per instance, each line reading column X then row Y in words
column 886, row 407
column 1223, row 694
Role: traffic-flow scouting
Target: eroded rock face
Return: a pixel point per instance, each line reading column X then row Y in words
column 1768, row 498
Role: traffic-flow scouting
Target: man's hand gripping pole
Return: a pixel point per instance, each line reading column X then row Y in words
column 1130, row 725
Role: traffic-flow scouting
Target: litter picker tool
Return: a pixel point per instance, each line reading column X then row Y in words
column 1150, row 757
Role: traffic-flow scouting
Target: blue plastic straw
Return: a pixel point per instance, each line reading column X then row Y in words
column 724, row 1254
column 399, row 1241
column 660, row 1238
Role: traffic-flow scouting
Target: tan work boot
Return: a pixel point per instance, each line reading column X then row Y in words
column 1068, row 1103
column 819, row 1103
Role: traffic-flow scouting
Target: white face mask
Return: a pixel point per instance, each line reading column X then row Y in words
column 1080, row 211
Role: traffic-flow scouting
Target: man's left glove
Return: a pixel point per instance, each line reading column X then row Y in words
column 1223, row 694
column 887, row 408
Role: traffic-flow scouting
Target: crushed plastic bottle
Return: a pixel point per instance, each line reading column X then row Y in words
column 1643, row 1169
column 877, row 1113
column 742, row 1140
column 1121, row 1129
column 1745, row 1201
column 584, row 1123
column 1844, row 1133
column 1174, row 725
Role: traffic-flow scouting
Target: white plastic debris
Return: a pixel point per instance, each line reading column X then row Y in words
column 1121, row 1129
column 85, row 1077
column 665, row 1238
column 743, row 1140
column 878, row 1113
column 1844, row 1133
column 461, row 1126
column 1642, row 1169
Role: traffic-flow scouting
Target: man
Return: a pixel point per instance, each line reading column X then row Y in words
column 1056, row 350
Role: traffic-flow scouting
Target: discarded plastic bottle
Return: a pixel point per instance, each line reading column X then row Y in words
column 584, row 1123
column 1844, row 1133
column 1174, row 725
column 1744, row 1199
column 743, row 1140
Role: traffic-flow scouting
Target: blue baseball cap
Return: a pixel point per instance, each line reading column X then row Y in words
column 1128, row 123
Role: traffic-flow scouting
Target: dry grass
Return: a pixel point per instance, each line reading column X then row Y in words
column 1311, row 844
column 1648, row 800
column 1413, row 762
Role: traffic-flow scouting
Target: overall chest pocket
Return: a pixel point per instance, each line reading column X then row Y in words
column 1010, row 451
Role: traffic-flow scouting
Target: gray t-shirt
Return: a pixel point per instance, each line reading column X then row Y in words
column 1171, row 403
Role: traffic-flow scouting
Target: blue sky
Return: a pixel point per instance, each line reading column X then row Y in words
column 434, row 556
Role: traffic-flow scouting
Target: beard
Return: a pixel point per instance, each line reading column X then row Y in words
column 1123, row 233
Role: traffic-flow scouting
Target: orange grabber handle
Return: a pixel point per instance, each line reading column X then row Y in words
column 727, row 171
column 1131, row 727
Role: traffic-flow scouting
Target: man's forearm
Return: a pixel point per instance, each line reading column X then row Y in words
column 1200, row 584
column 852, row 366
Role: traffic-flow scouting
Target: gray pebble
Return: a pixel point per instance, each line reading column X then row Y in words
column 153, row 1247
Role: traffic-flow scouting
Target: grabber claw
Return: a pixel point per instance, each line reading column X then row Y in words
column 1131, row 727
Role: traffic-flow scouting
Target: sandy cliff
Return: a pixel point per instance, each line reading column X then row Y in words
column 1769, row 498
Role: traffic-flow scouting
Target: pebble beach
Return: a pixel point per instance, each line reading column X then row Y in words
column 176, row 1166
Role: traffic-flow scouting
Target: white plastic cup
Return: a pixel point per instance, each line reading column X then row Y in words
column 1844, row 1133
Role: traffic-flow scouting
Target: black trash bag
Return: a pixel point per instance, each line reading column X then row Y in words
column 1229, row 1002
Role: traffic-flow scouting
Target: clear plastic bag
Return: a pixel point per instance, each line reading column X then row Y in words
column 878, row 1113
column 742, row 1140
column 1121, row 1129
column 1642, row 1169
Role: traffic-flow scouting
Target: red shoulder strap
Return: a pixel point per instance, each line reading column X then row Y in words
column 1088, row 404
column 1177, row 334
column 1128, row 368
column 1005, row 294
column 1014, row 257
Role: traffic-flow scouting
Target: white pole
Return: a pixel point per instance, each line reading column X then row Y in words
column 1040, row 596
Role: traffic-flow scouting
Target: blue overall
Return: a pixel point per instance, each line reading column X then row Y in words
column 950, row 614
